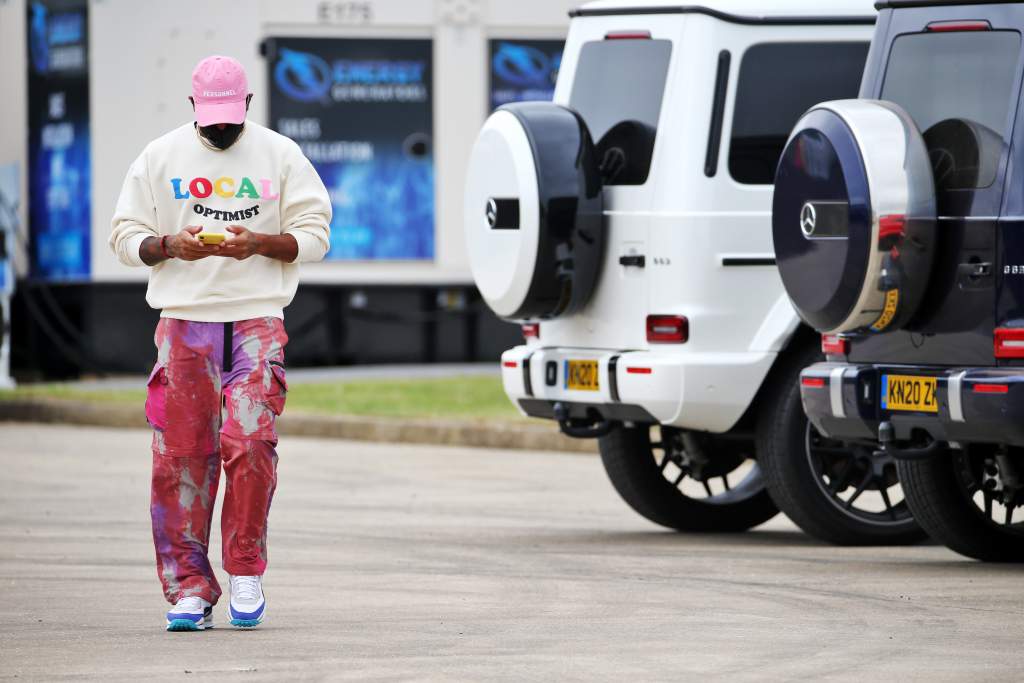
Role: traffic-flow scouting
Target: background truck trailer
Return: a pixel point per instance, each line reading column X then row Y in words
column 384, row 97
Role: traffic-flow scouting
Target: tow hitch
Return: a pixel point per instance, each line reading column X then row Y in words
column 887, row 442
column 592, row 427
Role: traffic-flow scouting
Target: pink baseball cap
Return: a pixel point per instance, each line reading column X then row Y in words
column 219, row 88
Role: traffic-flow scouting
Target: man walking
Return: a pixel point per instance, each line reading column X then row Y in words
column 219, row 380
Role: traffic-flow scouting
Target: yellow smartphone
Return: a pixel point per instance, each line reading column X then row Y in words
column 211, row 237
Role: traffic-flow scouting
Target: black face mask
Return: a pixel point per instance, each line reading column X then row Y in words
column 221, row 139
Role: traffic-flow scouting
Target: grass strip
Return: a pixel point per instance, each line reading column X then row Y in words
column 451, row 397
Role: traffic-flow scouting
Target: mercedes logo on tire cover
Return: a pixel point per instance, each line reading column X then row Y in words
column 491, row 212
column 808, row 219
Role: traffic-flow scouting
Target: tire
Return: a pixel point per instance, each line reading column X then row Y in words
column 938, row 495
column 796, row 478
column 628, row 458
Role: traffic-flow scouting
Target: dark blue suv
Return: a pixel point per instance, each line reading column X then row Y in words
column 898, row 223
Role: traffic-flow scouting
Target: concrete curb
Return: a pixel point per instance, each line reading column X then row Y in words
column 539, row 436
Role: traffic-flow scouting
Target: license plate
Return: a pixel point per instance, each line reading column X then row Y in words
column 581, row 375
column 905, row 392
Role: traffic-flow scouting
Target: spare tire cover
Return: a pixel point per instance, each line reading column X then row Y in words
column 853, row 217
column 533, row 212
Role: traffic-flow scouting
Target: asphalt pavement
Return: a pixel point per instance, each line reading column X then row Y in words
column 397, row 562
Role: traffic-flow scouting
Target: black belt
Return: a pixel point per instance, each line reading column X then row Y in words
column 229, row 333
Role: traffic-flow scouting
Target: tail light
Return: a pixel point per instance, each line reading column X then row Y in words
column 891, row 226
column 991, row 388
column 834, row 345
column 953, row 26
column 813, row 382
column 1009, row 342
column 628, row 35
column 667, row 329
column 531, row 331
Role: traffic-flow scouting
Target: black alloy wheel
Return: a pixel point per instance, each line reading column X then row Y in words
column 858, row 479
column 969, row 500
column 839, row 492
column 687, row 481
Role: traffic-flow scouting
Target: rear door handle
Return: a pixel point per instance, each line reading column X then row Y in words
column 635, row 260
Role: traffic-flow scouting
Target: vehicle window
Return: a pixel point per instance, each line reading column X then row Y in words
column 778, row 83
column 617, row 89
column 957, row 88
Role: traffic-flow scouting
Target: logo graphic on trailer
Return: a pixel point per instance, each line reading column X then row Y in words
column 525, row 66
column 302, row 76
column 306, row 77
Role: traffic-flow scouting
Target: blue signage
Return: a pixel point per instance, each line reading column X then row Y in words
column 59, row 164
column 9, row 192
column 523, row 70
column 362, row 112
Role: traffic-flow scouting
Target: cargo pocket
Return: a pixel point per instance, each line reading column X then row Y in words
column 252, row 406
column 278, row 392
column 156, row 398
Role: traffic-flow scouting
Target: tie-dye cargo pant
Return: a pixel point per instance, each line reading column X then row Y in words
column 213, row 404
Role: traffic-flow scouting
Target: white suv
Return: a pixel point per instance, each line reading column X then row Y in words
column 627, row 225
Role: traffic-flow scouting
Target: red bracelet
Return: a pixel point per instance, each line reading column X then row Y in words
column 163, row 247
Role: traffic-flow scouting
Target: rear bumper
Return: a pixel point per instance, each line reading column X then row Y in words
column 844, row 401
column 709, row 392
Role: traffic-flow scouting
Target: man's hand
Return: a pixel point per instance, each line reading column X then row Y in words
column 241, row 244
column 244, row 243
column 185, row 246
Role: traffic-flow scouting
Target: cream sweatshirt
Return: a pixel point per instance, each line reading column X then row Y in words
column 262, row 182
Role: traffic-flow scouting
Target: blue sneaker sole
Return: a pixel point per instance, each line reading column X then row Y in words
column 183, row 625
column 245, row 623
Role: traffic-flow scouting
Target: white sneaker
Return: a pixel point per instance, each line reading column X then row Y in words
column 247, row 606
column 190, row 614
